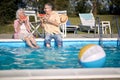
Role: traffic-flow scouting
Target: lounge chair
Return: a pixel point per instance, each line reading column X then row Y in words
column 71, row 27
column 63, row 24
column 66, row 26
column 87, row 22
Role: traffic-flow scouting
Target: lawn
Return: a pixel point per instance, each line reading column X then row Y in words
column 8, row 29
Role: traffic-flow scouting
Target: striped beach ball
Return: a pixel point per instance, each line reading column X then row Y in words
column 92, row 56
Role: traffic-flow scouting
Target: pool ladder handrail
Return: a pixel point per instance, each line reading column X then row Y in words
column 115, row 21
column 118, row 28
column 97, row 22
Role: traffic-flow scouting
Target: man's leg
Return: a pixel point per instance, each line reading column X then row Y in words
column 58, row 40
column 47, row 40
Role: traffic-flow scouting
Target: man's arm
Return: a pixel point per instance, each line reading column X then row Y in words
column 54, row 23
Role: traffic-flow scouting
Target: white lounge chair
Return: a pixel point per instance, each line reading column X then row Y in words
column 71, row 27
column 87, row 21
column 63, row 25
column 67, row 27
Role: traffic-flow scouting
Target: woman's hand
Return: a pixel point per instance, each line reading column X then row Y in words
column 20, row 22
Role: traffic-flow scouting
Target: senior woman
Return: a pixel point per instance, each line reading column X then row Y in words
column 22, row 29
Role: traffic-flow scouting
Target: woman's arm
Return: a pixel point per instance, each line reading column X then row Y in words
column 27, row 24
column 16, row 26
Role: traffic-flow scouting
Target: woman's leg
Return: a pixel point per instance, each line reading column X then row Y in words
column 29, row 42
column 32, row 39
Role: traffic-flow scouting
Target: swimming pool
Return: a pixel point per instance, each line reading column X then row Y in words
column 15, row 55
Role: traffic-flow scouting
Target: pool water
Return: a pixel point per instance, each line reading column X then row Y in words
column 50, row 58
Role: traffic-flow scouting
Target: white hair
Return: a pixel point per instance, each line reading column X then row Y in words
column 17, row 12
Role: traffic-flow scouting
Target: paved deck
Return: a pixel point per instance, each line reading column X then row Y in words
column 9, row 36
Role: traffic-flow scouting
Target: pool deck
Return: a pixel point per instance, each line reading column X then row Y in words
column 9, row 36
column 59, row 74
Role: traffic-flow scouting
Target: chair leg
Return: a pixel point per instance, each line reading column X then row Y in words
column 98, row 30
column 88, row 31
column 80, row 28
column 110, row 29
column 105, row 30
column 75, row 31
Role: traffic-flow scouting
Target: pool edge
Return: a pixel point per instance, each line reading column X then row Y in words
column 40, row 39
column 86, row 73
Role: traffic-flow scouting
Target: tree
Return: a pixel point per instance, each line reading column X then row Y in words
column 81, row 8
column 95, row 7
column 7, row 11
column 59, row 4
column 99, row 7
column 115, row 7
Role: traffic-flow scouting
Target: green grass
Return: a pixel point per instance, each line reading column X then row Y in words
column 8, row 29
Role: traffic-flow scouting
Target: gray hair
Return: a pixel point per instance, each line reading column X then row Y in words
column 51, row 5
column 17, row 12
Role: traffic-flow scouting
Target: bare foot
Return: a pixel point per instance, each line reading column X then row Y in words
column 48, row 45
column 33, row 47
column 59, row 46
column 36, row 46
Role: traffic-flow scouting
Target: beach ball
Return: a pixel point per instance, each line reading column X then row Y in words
column 92, row 56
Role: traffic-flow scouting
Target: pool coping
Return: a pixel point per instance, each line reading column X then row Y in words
column 80, row 73
column 65, row 39
column 84, row 73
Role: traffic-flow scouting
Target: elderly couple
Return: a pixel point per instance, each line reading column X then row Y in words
column 50, row 23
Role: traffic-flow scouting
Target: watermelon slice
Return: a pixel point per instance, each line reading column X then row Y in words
column 41, row 15
column 23, row 17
